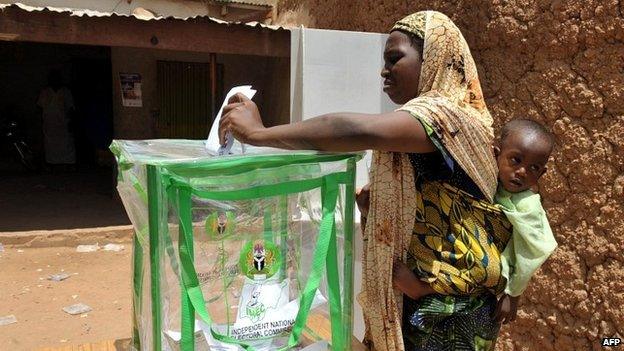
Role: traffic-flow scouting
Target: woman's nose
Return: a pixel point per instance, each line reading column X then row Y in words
column 385, row 72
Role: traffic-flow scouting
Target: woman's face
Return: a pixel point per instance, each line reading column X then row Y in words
column 401, row 71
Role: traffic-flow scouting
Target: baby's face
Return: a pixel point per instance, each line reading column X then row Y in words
column 522, row 161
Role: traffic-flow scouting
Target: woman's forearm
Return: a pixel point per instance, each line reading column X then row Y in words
column 348, row 132
column 332, row 132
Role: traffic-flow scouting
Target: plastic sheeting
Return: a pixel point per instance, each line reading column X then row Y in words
column 246, row 252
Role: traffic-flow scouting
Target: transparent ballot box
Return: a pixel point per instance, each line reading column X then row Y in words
column 249, row 252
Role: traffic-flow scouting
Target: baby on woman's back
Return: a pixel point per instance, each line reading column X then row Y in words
column 522, row 151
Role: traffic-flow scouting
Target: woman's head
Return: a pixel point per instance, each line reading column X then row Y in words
column 439, row 60
column 402, row 65
column 443, row 90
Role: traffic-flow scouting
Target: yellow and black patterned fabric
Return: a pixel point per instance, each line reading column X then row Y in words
column 457, row 240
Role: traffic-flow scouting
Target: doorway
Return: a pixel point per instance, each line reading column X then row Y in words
column 55, row 198
column 187, row 95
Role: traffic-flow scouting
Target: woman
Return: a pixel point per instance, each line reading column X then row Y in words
column 432, row 184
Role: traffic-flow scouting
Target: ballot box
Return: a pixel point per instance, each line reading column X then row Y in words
column 246, row 252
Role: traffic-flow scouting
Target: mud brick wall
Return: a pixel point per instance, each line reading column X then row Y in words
column 560, row 62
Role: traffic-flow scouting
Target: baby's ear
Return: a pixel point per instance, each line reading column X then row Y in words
column 496, row 150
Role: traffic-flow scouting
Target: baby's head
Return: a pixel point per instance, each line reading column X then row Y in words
column 522, row 152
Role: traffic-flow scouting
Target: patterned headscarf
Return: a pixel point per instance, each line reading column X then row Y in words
column 450, row 97
column 450, row 101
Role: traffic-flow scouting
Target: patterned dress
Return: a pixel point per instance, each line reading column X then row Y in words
column 456, row 245
column 446, row 229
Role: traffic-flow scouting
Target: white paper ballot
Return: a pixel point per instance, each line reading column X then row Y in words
column 212, row 143
column 264, row 317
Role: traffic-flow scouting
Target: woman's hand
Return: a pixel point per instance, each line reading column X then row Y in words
column 506, row 309
column 362, row 199
column 242, row 118
column 406, row 281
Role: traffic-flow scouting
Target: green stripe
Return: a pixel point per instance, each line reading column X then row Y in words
column 295, row 186
column 137, row 285
column 223, row 166
column 153, row 201
column 190, row 287
column 274, row 175
column 333, row 288
column 329, row 185
column 319, row 260
column 187, row 341
column 348, row 247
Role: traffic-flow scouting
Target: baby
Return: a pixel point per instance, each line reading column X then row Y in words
column 522, row 152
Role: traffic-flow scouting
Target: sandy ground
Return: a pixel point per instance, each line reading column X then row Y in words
column 100, row 279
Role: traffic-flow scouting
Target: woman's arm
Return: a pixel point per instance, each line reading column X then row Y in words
column 394, row 131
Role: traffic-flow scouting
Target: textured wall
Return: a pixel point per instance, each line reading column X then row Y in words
column 560, row 62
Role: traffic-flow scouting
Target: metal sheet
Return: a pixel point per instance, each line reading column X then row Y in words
column 92, row 13
column 263, row 3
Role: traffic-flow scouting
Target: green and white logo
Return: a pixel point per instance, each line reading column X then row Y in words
column 260, row 257
column 255, row 309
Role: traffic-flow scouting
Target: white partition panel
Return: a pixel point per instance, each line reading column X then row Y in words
column 339, row 71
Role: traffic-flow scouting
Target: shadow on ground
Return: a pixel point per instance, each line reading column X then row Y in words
column 84, row 198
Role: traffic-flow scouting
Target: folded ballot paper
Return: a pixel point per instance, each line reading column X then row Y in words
column 212, row 143
column 264, row 319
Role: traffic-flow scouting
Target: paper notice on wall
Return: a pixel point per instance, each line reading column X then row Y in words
column 212, row 143
column 131, row 89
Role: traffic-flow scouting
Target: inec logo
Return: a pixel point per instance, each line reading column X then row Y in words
column 255, row 309
column 611, row 341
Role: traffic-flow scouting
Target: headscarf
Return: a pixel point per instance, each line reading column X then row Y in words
column 450, row 101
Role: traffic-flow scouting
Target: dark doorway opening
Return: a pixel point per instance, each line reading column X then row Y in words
column 79, row 195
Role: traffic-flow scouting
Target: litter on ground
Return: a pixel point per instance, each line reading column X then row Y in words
column 58, row 277
column 87, row 248
column 6, row 320
column 78, row 308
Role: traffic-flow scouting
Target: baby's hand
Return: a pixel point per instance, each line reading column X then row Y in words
column 406, row 281
column 506, row 309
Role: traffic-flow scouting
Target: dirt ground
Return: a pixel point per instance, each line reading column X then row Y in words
column 101, row 279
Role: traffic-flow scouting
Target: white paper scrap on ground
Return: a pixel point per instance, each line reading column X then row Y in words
column 87, row 248
column 113, row 247
column 212, row 143
column 58, row 277
column 78, row 308
column 6, row 320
